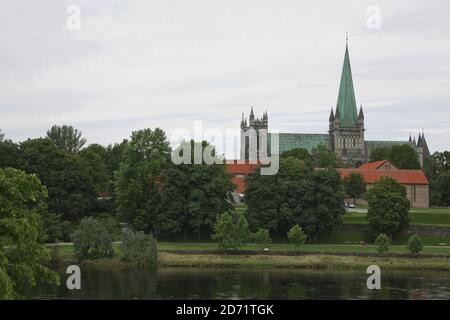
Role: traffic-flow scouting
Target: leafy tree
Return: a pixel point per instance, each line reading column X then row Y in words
column 403, row 156
column 380, row 153
column 415, row 244
column 66, row 138
column 22, row 264
column 324, row 157
column 2, row 136
column 300, row 154
column 261, row 237
column 354, row 185
column 9, row 154
column 388, row 207
column 138, row 180
column 193, row 194
column 296, row 195
column 296, row 235
column 382, row 243
column 139, row 247
column 231, row 231
column 93, row 239
column 70, row 187
column 94, row 159
column 441, row 189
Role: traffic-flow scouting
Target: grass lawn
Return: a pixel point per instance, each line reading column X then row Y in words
column 67, row 250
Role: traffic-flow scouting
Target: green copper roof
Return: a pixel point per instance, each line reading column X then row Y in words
column 346, row 101
column 307, row 141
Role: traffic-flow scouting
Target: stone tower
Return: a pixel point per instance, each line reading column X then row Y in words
column 346, row 125
column 254, row 135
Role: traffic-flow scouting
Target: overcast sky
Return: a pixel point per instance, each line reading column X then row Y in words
column 146, row 64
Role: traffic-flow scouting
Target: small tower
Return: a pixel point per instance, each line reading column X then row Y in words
column 254, row 136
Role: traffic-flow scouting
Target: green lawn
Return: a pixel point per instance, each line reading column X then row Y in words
column 67, row 250
column 429, row 216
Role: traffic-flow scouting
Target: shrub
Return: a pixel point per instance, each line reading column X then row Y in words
column 55, row 256
column 261, row 237
column 296, row 235
column 138, row 247
column 415, row 244
column 231, row 231
column 382, row 242
column 93, row 239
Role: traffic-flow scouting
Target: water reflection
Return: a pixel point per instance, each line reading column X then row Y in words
column 193, row 283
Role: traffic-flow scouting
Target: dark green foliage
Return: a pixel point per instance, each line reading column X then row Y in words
column 193, row 194
column 296, row 235
column 296, row 195
column 382, row 243
column 403, row 156
column 22, row 199
column 9, row 154
column 94, row 159
column 139, row 248
column 437, row 170
column 137, row 182
column 67, row 138
column 324, row 157
column 388, row 207
column 300, row 154
column 354, row 185
column 231, row 231
column 70, row 186
column 415, row 244
column 93, row 239
column 55, row 256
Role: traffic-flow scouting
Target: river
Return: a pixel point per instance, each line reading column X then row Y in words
column 208, row 283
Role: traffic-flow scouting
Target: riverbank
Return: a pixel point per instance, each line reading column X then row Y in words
column 282, row 259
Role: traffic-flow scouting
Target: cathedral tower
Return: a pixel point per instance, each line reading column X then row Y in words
column 346, row 125
column 254, row 135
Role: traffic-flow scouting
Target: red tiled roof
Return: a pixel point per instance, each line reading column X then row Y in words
column 240, row 184
column 234, row 167
column 373, row 165
column 402, row 176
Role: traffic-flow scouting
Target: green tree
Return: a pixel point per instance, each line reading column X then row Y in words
column 138, row 180
column 22, row 264
column 93, row 239
column 66, row 138
column 261, row 237
column 300, row 154
column 2, row 136
column 415, row 244
column 354, row 185
column 94, row 159
column 388, row 207
column 382, row 243
column 324, row 157
column 296, row 195
column 9, row 154
column 231, row 231
column 403, row 156
column 296, row 235
column 70, row 187
column 441, row 189
column 193, row 194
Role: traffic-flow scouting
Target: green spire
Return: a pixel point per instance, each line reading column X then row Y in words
column 346, row 101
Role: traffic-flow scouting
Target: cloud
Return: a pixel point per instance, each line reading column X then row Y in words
column 139, row 64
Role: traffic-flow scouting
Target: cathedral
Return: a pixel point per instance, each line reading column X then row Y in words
column 345, row 135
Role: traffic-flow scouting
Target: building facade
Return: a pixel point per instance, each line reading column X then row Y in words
column 346, row 134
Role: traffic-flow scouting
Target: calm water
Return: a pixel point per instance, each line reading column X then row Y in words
column 191, row 283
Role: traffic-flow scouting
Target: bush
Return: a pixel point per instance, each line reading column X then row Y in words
column 296, row 235
column 55, row 256
column 139, row 247
column 93, row 239
column 415, row 244
column 231, row 231
column 382, row 242
column 261, row 237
